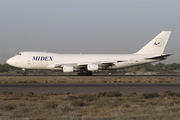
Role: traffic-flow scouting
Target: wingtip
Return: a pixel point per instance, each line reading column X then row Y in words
column 167, row 31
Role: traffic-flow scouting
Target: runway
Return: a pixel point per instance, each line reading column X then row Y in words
column 89, row 88
column 178, row 76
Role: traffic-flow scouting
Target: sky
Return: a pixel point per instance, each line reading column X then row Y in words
column 87, row 26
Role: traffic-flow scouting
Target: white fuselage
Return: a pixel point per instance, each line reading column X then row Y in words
column 44, row 60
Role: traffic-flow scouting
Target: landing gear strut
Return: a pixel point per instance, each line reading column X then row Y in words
column 24, row 72
column 84, row 74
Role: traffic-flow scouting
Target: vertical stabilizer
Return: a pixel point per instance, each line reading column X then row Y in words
column 157, row 45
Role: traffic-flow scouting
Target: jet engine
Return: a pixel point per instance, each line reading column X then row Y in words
column 92, row 67
column 68, row 69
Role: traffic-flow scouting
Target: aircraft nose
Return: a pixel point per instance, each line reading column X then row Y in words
column 11, row 61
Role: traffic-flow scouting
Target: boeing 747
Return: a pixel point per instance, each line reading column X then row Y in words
column 85, row 64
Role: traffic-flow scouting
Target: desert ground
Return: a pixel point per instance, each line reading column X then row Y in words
column 99, row 106
column 85, row 79
column 112, row 105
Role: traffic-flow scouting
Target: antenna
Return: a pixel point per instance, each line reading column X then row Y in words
column 4, row 60
column 172, row 61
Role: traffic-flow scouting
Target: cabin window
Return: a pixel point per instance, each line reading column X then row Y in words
column 19, row 54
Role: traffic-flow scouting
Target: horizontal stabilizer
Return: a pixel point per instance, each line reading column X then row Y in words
column 158, row 56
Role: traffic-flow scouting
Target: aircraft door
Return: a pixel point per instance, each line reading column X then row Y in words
column 133, row 61
column 29, row 62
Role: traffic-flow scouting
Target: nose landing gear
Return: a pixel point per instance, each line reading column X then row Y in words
column 24, row 72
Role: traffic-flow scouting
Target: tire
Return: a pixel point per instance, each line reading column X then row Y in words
column 24, row 74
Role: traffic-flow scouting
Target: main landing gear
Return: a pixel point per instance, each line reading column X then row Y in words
column 84, row 74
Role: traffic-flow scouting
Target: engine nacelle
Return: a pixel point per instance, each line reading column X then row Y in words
column 92, row 67
column 68, row 69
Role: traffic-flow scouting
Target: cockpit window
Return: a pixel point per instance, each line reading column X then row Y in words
column 19, row 54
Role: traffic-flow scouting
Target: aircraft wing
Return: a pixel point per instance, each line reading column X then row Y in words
column 80, row 65
column 110, row 63
column 101, row 62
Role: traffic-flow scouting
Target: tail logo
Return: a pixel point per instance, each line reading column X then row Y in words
column 159, row 42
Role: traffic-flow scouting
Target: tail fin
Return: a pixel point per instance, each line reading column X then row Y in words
column 157, row 45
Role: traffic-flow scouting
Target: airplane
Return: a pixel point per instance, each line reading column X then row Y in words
column 86, row 64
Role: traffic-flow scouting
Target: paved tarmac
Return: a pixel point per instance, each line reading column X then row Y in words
column 93, row 75
column 89, row 88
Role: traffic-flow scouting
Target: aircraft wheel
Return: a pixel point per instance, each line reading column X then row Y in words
column 24, row 73
column 80, row 74
column 90, row 74
column 84, row 74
